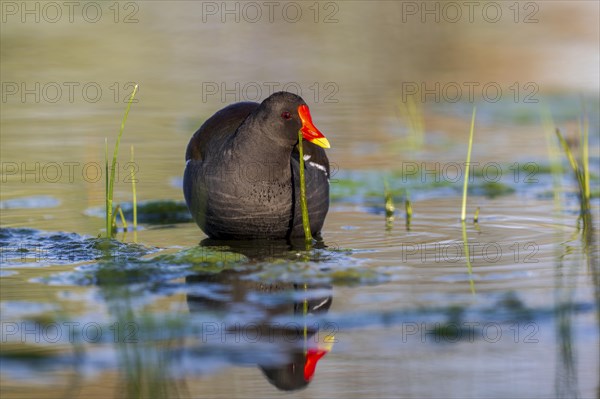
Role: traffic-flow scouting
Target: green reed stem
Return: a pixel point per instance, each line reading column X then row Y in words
column 579, row 176
column 585, row 158
column 463, row 214
column 122, row 217
column 468, row 257
column 389, row 200
column 412, row 112
column 113, row 222
column 553, row 156
column 305, row 313
column 389, row 205
column 408, row 210
column 111, row 182
column 570, row 157
column 108, row 202
column 303, row 204
column 133, row 191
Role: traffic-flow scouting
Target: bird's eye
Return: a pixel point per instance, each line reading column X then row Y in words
column 286, row 115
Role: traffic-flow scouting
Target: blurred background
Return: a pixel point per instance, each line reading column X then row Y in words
column 68, row 71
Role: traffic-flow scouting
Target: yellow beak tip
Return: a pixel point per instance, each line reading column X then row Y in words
column 321, row 142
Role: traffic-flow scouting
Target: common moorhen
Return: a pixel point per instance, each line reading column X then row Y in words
column 242, row 178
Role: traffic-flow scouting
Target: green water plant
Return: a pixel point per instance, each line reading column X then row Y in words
column 553, row 150
column 110, row 181
column 412, row 112
column 123, row 220
column 585, row 157
column 303, row 204
column 493, row 189
column 305, row 314
column 134, row 195
column 119, row 211
column 468, row 256
column 389, row 205
column 579, row 172
column 463, row 214
column 108, row 215
column 408, row 210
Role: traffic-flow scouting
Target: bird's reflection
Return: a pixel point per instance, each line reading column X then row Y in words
column 283, row 315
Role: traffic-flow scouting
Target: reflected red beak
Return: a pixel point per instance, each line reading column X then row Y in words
column 309, row 130
column 312, row 357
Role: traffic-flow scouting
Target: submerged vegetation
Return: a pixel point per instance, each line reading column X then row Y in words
column 159, row 212
column 493, row 189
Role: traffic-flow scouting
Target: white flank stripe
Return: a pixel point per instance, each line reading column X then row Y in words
column 318, row 166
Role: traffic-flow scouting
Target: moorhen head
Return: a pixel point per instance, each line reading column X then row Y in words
column 241, row 179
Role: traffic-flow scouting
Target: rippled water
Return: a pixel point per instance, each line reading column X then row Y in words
column 507, row 306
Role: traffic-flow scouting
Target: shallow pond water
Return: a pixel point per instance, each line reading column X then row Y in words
column 505, row 307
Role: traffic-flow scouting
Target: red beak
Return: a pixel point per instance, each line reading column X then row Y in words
column 309, row 130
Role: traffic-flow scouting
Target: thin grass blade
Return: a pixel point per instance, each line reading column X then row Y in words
column 463, row 214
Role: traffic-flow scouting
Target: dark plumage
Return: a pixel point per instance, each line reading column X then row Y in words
column 241, row 179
